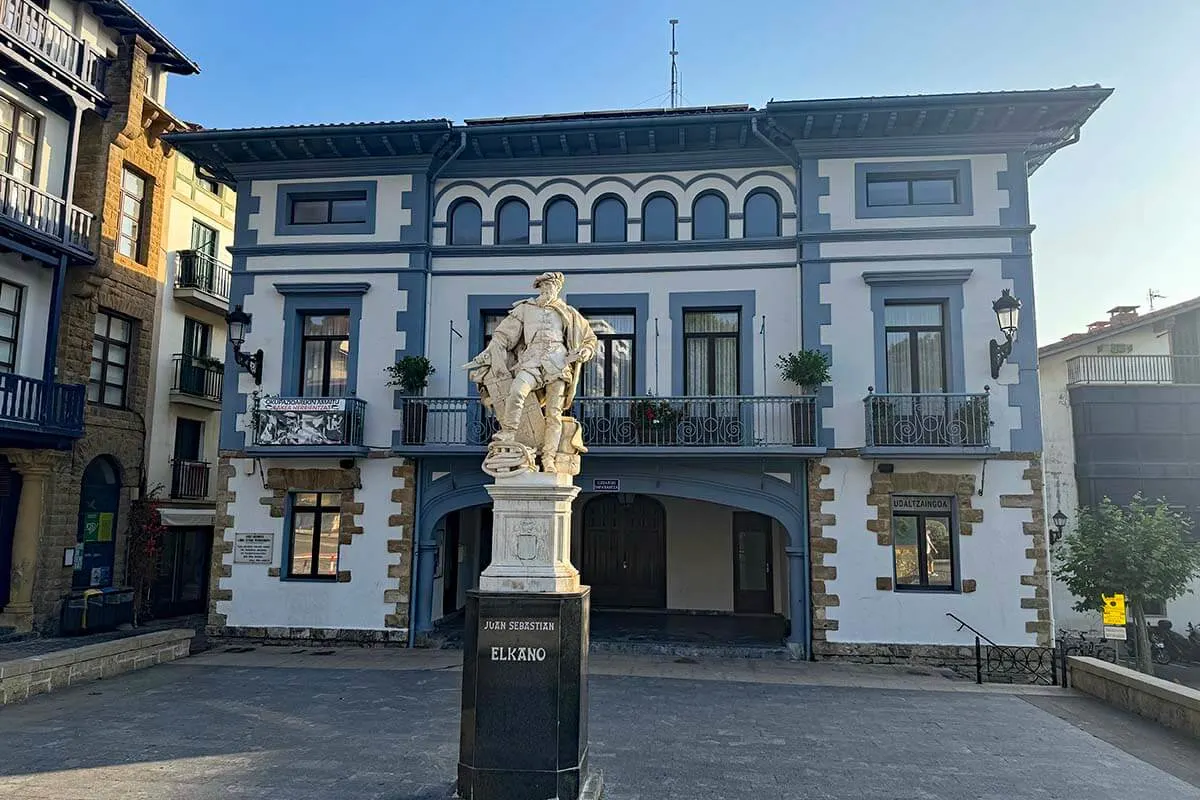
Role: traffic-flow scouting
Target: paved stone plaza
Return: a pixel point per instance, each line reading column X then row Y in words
column 283, row 723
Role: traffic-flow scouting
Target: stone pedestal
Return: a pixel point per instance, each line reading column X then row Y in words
column 531, row 535
column 524, row 699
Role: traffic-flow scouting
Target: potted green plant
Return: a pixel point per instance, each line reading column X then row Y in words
column 654, row 420
column 411, row 374
column 808, row 370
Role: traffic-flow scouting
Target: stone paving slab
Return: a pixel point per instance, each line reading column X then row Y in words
column 197, row 730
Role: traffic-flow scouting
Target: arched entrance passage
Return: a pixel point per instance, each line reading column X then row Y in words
column 624, row 553
column 95, row 545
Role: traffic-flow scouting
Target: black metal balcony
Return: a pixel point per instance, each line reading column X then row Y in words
column 1147, row 369
column 198, row 377
column 697, row 424
column 928, row 420
column 189, row 479
column 324, row 422
column 200, row 271
column 56, row 48
column 39, row 413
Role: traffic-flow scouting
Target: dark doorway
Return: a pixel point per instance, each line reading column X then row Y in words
column 485, row 538
column 753, row 587
column 624, row 551
column 180, row 587
column 450, row 539
column 10, row 497
column 95, row 546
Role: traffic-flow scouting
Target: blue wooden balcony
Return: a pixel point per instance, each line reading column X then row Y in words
column 34, row 413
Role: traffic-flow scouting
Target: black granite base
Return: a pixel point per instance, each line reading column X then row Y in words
column 524, row 699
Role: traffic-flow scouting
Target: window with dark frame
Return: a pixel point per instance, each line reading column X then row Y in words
column 133, row 203
column 197, row 337
column 710, row 217
column 916, row 347
column 204, row 239
column 324, row 354
column 18, row 140
column 208, row 185
column 923, row 542
column 919, row 189
column 512, row 222
column 660, row 220
column 490, row 321
column 11, row 298
column 314, row 534
column 334, row 208
column 111, row 344
column 613, row 370
column 561, row 225
column 466, row 223
column 761, row 217
column 711, row 352
column 609, row 220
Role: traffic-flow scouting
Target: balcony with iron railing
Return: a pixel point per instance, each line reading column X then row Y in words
column 1134, row 370
column 928, row 424
column 189, row 479
column 34, row 413
column 309, row 425
column 202, row 280
column 197, row 380
column 38, row 211
column 51, row 43
column 631, row 425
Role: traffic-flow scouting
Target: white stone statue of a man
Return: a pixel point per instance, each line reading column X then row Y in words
column 538, row 350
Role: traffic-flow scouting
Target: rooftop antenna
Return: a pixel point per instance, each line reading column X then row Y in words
column 674, row 71
column 1153, row 295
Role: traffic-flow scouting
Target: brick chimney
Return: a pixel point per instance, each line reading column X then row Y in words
column 1122, row 315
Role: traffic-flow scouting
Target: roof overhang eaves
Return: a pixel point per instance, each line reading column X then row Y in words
column 1095, row 94
column 121, row 16
column 1062, row 345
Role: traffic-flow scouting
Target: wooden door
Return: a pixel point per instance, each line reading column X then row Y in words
column 624, row 552
column 753, row 586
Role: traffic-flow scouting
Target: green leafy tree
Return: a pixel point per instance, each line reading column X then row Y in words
column 1140, row 551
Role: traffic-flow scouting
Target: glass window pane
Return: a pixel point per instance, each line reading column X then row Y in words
column 762, row 216
column 925, row 315
column 133, row 183
column 933, row 191
column 6, row 115
column 101, row 326
column 349, row 210
column 117, row 354
column 659, row 222
column 8, row 326
column 726, row 366
column 512, row 225
column 23, row 151
column 887, row 193
column 710, row 322
column 302, row 543
column 939, row 560
column 621, row 363
column 904, row 540
column 710, row 217
column 339, row 360
column 6, row 354
column 97, row 371
column 931, row 359
column 609, row 324
column 327, row 563
column 305, row 499
column 561, row 225
column 119, row 329
column 899, row 363
column 10, row 297
column 115, row 376
column 112, row 395
column 592, row 379
column 93, row 391
column 609, row 221
column 695, row 379
column 466, row 223
column 310, row 212
column 331, row 499
column 327, row 325
column 313, row 378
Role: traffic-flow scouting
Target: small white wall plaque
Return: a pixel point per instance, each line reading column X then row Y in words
column 253, row 548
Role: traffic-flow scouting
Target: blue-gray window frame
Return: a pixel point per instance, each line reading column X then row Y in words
column 639, row 304
column 528, row 220
column 624, row 218
column 300, row 299
column 725, row 217
column 285, row 552
column 959, row 169
column 455, row 207
column 955, row 586
column 287, row 193
column 944, row 287
column 778, row 212
column 674, row 206
column 743, row 302
column 547, row 228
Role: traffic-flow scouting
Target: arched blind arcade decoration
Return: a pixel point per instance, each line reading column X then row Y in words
column 512, row 223
column 659, row 220
column 710, row 217
column 561, row 225
column 762, row 215
column 466, row 223
column 609, row 220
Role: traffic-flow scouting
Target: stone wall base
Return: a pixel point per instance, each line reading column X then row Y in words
column 22, row 678
column 937, row 655
column 261, row 635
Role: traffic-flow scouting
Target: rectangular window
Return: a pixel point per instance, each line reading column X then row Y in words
column 208, row 185
column 611, row 372
column 916, row 347
column 314, row 534
column 11, row 299
column 711, row 358
column 189, row 438
column 923, row 542
column 18, row 140
column 204, row 239
column 324, row 354
column 328, row 209
column 912, row 190
column 491, row 320
column 197, row 337
column 110, row 359
column 133, row 198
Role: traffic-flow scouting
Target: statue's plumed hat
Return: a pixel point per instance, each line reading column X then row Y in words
column 549, row 277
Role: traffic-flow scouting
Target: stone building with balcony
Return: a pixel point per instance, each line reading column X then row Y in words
column 81, row 112
column 1121, row 415
column 718, row 502
column 188, row 380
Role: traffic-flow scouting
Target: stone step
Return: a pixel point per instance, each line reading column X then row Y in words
column 685, row 650
column 10, row 635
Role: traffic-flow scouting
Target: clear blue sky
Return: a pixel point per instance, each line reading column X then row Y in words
column 1116, row 213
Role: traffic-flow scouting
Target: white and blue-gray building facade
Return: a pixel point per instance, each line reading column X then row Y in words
column 702, row 243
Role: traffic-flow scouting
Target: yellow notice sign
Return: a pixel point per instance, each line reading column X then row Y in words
column 1114, row 609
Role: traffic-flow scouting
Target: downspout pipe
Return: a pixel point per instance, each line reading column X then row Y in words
column 415, row 563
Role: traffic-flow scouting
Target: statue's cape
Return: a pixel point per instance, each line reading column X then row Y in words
column 577, row 332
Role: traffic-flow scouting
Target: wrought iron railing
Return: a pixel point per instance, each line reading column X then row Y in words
column 1134, row 369
column 734, row 422
column 52, row 407
column 41, row 211
column 927, row 420
column 309, row 421
column 997, row 663
column 199, row 270
column 198, row 377
column 189, row 479
column 35, row 28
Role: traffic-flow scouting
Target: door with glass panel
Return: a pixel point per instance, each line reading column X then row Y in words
column 325, row 355
column 711, row 359
column 916, row 374
column 753, row 585
column 610, row 374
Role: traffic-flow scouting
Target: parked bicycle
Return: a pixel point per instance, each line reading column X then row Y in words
column 1083, row 643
